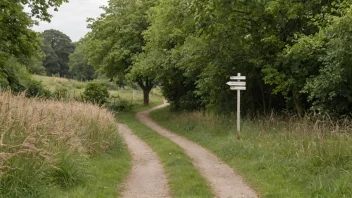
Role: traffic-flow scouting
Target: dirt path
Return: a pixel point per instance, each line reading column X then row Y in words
column 147, row 178
column 222, row 178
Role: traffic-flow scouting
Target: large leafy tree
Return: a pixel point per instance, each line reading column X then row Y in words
column 17, row 40
column 57, row 47
column 116, row 39
column 204, row 42
column 80, row 69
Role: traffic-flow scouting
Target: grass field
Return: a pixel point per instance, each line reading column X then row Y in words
column 106, row 174
column 279, row 158
column 75, row 88
column 184, row 180
column 51, row 149
column 54, row 83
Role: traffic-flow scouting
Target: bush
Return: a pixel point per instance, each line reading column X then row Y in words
column 121, row 105
column 60, row 93
column 96, row 93
column 36, row 89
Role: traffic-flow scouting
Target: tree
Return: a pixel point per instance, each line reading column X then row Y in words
column 330, row 89
column 116, row 38
column 96, row 93
column 79, row 67
column 57, row 47
column 17, row 40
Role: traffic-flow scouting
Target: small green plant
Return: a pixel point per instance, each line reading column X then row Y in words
column 60, row 93
column 95, row 93
column 36, row 89
column 69, row 171
column 120, row 105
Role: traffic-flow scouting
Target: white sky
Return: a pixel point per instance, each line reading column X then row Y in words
column 71, row 17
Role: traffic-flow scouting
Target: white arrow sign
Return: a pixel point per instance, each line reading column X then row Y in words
column 238, row 88
column 238, row 78
column 232, row 83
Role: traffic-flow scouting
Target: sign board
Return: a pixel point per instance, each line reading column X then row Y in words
column 237, row 78
column 238, row 88
column 233, row 83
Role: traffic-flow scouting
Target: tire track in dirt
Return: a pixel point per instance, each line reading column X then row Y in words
column 147, row 178
column 224, row 181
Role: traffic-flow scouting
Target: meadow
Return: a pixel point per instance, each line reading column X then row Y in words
column 279, row 157
column 49, row 147
column 64, row 148
column 121, row 99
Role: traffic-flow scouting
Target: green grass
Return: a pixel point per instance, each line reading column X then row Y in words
column 184, row 180
column 117, row 96
column 277, row 158
column 55, row 83
column 106, row 174
column 135, row 98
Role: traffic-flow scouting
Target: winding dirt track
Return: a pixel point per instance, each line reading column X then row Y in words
column 147, row 178
column 224, row 181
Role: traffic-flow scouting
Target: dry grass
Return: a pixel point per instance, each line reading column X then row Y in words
column 42, row 131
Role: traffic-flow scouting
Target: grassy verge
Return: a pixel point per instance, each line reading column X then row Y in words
column 184, row 180
column 277, row 158
column 106, row 174
column 50, row 148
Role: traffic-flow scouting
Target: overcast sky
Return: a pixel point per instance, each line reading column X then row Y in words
column 71, row 17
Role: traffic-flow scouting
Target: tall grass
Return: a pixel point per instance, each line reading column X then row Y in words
column 45, row 143
column 280, row 157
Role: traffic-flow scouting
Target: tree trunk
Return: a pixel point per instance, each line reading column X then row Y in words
column 299, row 108
column 147, row 87
column 146, row 96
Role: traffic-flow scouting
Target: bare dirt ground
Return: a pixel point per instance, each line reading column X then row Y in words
column 224, row 181
column 147, row 178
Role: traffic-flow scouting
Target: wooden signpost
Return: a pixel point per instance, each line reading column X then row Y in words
column 238, row 86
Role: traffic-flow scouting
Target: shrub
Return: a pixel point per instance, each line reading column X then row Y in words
column 96, row 93
column 60, row 93
column 121, row 105
column 36, row 89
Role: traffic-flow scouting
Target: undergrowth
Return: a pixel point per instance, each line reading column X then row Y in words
column 279, row 157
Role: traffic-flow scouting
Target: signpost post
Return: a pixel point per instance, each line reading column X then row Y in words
column 238, row 86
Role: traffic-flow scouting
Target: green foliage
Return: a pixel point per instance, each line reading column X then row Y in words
column 281, row 46
column 96, row 93
column 79, row 67
column 116, row 39
column 120, row 105
column 17, row 40
column 60, row 92
column 57, row 48
column 36, row 89
column 14, row 77
column 330, row 89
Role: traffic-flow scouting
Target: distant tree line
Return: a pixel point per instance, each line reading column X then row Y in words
column 64, row 58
